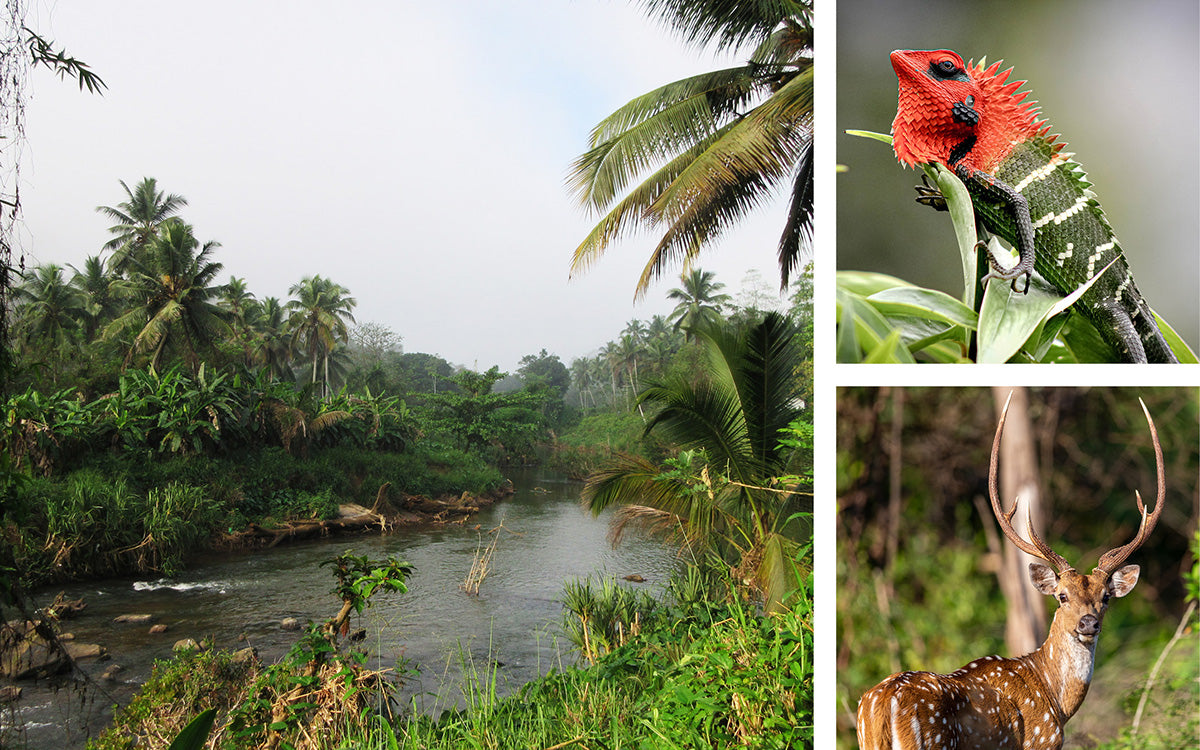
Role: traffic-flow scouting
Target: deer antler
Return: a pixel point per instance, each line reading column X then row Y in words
column 1112, row 559
column 1039, row 548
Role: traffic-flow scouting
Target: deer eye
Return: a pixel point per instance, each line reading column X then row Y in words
column 1062, row 598
column 1104, row 599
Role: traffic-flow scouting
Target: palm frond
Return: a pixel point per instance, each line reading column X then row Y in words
column 654, row 127
column 655, row 522
column 702, row 415
column 728, row 23
column 797, row 232
column 731, row 177
column 776, row 571
column 328, row 419
column 634, row 209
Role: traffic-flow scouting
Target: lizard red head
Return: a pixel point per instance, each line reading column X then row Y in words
column 958, row 114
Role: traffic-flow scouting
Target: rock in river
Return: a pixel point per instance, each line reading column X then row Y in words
column 25, row 653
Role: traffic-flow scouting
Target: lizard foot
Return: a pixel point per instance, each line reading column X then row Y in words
column 1013, row 274
column 929, row 195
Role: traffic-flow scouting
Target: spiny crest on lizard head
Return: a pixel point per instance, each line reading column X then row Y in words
column 944, row 103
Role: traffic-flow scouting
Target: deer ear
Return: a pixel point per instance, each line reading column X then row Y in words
column 1122, row 582
column 1044, row 579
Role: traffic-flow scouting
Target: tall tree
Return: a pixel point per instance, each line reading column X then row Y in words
column 49, row 308
column 732, row 422
column 101, row 291
column 272, row 342
column 710, row 147
column 238, row 301
column 318, row 318
column 175, row 298
column 700, row 300
column 581, row 378
column 138, row 220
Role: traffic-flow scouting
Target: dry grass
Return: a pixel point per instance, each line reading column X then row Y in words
column 481, row 566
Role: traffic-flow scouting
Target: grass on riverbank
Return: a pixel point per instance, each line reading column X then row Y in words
column 701, row 673
column 742, row 679
column 126, row 513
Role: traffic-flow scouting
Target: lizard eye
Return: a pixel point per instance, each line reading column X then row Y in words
column 947, row 67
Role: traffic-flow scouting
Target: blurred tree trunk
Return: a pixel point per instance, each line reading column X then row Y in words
column 1025, row 628
column 895, row 466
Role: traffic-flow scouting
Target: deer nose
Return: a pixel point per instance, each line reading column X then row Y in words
column 1088, row 625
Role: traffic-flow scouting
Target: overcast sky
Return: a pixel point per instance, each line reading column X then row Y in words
column 413, row 152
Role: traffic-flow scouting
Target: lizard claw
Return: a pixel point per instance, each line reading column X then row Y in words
column 1014, row 274
column 929, row 195
column 1015, row 279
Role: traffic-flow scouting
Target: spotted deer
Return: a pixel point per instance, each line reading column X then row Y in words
column 995, row 702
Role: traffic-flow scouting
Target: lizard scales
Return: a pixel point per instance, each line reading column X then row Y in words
column 1024, row 188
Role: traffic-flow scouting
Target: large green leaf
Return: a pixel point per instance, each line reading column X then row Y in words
column 866, row 283
column 923, row 303
column 195, row 734
column 1182, row 352
column 863, row 329
column 1008, row 319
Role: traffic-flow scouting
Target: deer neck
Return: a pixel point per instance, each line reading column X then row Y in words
column 1065, row 662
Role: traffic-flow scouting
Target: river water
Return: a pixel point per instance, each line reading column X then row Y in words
column 512, row 624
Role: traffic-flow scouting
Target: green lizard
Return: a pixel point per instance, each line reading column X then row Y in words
column 1024, row 188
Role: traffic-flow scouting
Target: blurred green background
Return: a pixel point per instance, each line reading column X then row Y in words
column 1117, row 79
column 933, row 601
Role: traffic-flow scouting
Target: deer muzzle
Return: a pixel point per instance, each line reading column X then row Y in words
column 1088, row 628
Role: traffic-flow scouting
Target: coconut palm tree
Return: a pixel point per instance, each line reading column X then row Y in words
column 598, row 372
column 101, row 291
column 627, row 352
column 272, row 346
column 636, row 329
column 699, row 300
column 581, row 378
column 49, row 310
column 729, row 426
column 709, row 148
column 659, row 327
column 138, row 220
column 238, row 302
column 317, row 319
column 171, row 284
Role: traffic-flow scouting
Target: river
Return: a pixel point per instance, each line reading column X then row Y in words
column 546, row 540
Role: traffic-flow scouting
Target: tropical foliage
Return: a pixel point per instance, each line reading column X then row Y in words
column 711, row 147
column 138, row 221
column 735, row 488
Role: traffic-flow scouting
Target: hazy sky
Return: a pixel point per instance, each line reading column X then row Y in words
column 413, row 152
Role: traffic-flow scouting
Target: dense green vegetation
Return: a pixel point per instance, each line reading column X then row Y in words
column 149, row 408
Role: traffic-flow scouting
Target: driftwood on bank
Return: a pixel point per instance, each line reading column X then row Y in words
column 383, row 516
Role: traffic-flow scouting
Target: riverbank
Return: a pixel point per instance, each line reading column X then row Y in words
column 239, row 599
column 700, row 672
column 383, row 516
column 134, row 513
